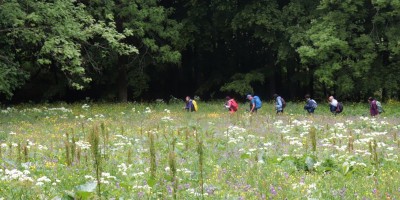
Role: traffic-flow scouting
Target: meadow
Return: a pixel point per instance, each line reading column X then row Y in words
column 158, row 151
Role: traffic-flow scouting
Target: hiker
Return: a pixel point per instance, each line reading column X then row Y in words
column 311, row 104
column 255, row 103
column 190, row 105
column 373, row 108
column 333, row 104
column 279, row 104
column 231, row 104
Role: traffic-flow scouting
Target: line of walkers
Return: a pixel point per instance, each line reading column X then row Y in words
column 335, row 106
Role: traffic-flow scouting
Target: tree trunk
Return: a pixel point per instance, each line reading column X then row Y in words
column 122, row 83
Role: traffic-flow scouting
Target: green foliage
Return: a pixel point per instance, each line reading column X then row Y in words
column 10, row 78
column 241, row 83
column 350, row 49
column 51, row 35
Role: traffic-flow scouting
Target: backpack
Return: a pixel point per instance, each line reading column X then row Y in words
column 283, row 102
column 234, row 105
column 315, row 105
column 195, row 105
column 258, row 102
column 339, row 108
column 380, row 108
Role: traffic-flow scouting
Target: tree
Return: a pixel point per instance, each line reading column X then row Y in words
column 151, row 29
column 48, row 36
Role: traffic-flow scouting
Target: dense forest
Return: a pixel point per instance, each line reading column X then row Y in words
column 125, row 50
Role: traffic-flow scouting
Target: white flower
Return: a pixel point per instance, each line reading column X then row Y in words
column 105, row 174
column 166, row 119
column 40, row 147
column 268, row 144
column 43, row 179
column 39, row 183
column 12, row 133
column 317, row 164
column 89, row 177
column 361, row 164
column 83, row 144
column 85, row 106
column 148, row 110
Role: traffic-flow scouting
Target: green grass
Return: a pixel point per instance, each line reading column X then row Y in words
column 258, row 156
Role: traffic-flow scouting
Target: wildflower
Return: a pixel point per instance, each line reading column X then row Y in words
column 85, row 106
column 12, row 133
column 272, row 190
column 148, row 110
column 166, row 119
column 268, row 144
column 251, row 150
column 83, row 144
column 317, row 164
column 43, row 179
column 89, row 177
column 39, row 183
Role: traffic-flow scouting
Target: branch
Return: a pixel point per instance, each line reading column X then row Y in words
column 22, row 28
column 5, row 58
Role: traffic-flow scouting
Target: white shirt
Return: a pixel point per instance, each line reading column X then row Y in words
column 334, row 102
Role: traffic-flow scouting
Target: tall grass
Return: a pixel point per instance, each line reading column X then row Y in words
column 209, row 154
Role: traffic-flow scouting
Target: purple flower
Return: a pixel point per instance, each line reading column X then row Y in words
column 169, row 188
column 140, row 195
column 272, row 190
column 286, row 175
column 374, row 190
column 342, row 192
column 263, row 197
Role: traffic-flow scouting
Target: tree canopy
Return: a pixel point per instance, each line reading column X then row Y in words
column 147, row 49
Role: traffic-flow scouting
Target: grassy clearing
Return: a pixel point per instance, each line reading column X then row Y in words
column 158, row 151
